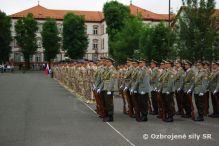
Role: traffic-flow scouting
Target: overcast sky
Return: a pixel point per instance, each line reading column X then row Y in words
column 158, row 6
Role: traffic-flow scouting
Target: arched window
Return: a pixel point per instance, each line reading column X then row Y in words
column 95, row 30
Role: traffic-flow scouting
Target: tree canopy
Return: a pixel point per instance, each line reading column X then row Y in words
column 26, row 29
column 157, row 42
column 197, row 31
column 75, row 39
column 5, row 37
column 126, row 41
column 50, row 39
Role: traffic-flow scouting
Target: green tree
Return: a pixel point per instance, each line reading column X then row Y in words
column 5, row 37
column 26, row 29
column 115, row 14
column 156, row 42
column 126, row 42
column 197, row 32
column 50, row 39
column 75, row 39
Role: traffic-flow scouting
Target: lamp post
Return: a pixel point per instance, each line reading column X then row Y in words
column 169, row 11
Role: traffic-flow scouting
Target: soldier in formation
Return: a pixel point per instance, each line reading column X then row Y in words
column 169, row 86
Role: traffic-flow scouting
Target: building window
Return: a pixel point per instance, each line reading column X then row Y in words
column 95, row 30
column 17, row 57
column 60, row 28
column 102, row 44
column 39, row 43
column 95, row 44
column 14, row 44
column 102, row 29
column 38, row 58
column 31, row 58
column 40, row 27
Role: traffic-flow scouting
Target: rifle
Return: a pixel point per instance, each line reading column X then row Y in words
column 192, row 106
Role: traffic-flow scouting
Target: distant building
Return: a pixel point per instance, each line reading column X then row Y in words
column 94, row 23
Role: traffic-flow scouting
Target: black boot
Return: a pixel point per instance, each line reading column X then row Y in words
column 138, row 119
column 214, row 115
column 199, row 118
column 144, row 118
column 154, row 113
column 169, row 119
column 108, row 119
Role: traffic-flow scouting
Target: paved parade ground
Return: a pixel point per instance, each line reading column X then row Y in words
column 36, row 110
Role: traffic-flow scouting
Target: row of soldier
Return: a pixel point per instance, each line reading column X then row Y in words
column 146, row 89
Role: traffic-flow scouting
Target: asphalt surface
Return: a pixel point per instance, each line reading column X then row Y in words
column 36, row 110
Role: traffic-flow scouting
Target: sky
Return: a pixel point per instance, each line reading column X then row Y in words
column 157, row 6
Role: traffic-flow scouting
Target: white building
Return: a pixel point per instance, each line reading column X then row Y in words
column 94, row 23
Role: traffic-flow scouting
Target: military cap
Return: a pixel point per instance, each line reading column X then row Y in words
column 215, row 62
column 102, row 58
column 153, row 61
column 163, row 62
column 188, row 62
column 110, row 59
column 135, row 61
column 178, row 61
column 206, row 62
column 142, row 60
column 168, row 61
column 199, row 62
column 129, row 60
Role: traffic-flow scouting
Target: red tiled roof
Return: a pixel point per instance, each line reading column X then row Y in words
column 148, row 15
column 41, row 12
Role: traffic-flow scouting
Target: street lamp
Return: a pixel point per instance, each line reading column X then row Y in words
column 169, row 11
